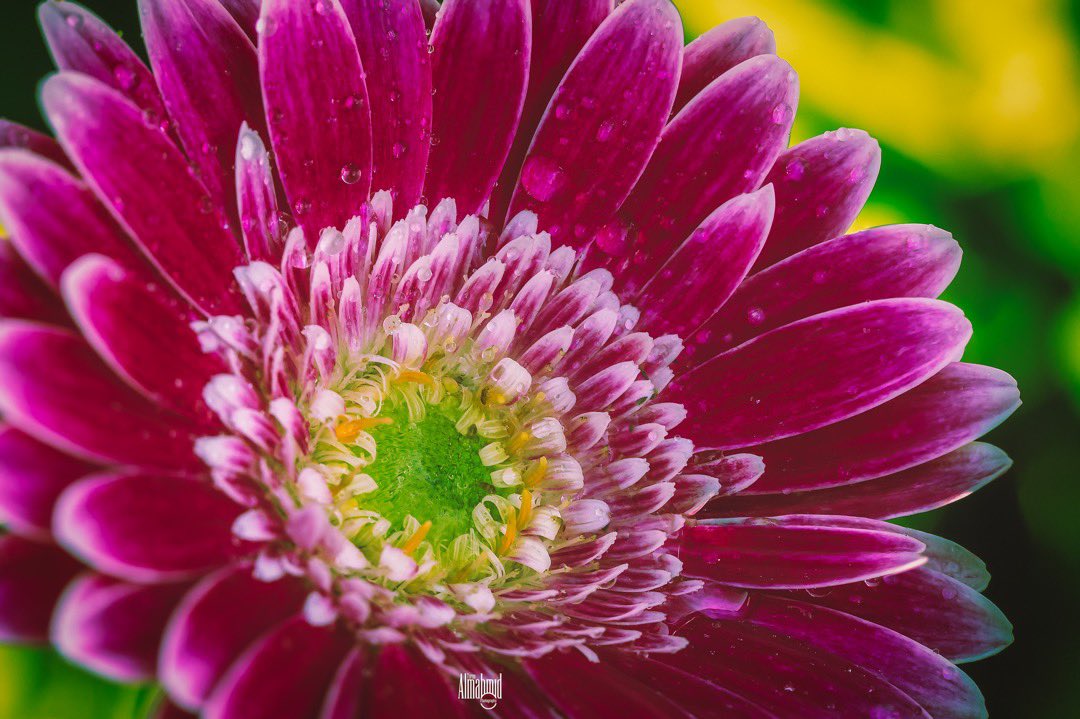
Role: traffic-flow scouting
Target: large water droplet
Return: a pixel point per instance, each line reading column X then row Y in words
column 542, row 178
column 350, row 173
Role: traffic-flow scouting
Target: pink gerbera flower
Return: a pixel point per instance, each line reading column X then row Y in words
column 367, row 347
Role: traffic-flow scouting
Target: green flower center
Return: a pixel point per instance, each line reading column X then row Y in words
column 426, row 468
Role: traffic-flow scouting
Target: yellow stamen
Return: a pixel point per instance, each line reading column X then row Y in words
column 510, row 534
column 517, row 442
column 418, row 536
column 526, row 509
column 535, row 473
column 415, row 376
column 350, row 429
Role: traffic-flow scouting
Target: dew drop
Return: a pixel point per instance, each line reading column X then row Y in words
column 302, row 207
column 397, row 150
column 542, row 178
column 562, row 111
column 350, row 173
column 755, row 315
column 125, row 77
column 74, row 21
column 795, row 169
column 323, row 7
column 781, row 113
column 603, row 133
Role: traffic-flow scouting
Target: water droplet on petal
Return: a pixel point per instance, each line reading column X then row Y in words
column 795, row 169
column 603, row 133
column 351, row 174
column 781, row 113
column 755, row 315
column 125, row 77
column 542, row 178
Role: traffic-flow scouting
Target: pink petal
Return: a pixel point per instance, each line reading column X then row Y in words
column 32, row 476
column 918, row 489
column 284, row 674
column 821, row 185
column 892, row 261
column 940, row 688
column 19, row 137
column 208, row 73
column 720, row 145
column 157, row 198
column 141, row 332
column 215, row 623
column 112, row 627
column 784, row 553
column 392, row 42
column 404, row 683
column 786, row 677
column 703, row 272
column 23, row 295
column 320, row 123
column 139, row 526
column 54, row 219
column 935, row 610
column 712, row 54
column 955, row 406
column 54, row 387
column 846, row 361
column 603, row 122
column 81, row 42
column 32, row 576
column 559, row 31
column 480, row 68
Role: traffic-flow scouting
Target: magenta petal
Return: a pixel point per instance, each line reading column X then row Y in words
column 935, row 610
column 603, row 122
column 285, row 674
column 940, row 688
column 703, row 272
column 821, row 185
column 580, row 688
column 22, row 293
column 849, row 360
column 213, row 625
column 480, row 69
column 112, row 627
column 139, row 527
column 711, row 55
column 320, row 123
column 246, row 14
column 208, row 73
column 257, row 199
column 54, row 219
column 789, row 553
column 19, row 137
column 141, row 332
column 918, row 489
column 54, row 387
column 406, row 684
column 81, row 42
column 720, row 145
column 955, row 406
column 392, row 42
column 559, row 31
column 32, row 576
column 344, row 695
column 892, row 261
column 166, row 209
column 696, row 694
column 32, row 476
column 787, row 677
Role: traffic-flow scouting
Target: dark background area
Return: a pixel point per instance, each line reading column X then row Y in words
column 1014, row 214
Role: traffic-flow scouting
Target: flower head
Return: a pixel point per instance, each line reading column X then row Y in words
column 361, row 348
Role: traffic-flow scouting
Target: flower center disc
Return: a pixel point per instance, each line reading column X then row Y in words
column 426, row 468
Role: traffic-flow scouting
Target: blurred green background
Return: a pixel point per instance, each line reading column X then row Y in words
column 976, row 107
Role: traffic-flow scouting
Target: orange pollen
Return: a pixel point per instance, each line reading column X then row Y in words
column 415, row 376
column 535, row 473
column 526, row 509
column 511, row 533
column 517, row 442
column 418, row 536
column 350, row 429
